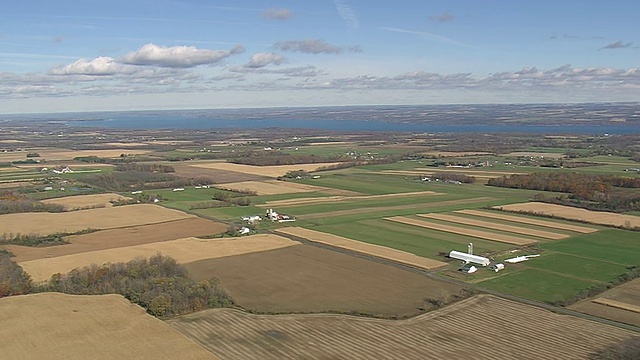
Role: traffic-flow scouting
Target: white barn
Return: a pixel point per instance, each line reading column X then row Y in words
column 469, row 258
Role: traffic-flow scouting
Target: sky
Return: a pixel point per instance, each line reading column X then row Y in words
column 90, row 55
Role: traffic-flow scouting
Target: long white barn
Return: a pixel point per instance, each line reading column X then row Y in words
column 469, row 258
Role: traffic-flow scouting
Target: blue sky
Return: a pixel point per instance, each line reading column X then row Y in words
column 72, row 55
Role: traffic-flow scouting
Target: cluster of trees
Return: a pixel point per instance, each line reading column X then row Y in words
column 13, row 280
column 158, row 284
column 274, row 157
column 150, row 168
column 33, row 239
column 140, row 180
column 602, row 192
column 13, row 202
column 625, row 350
column 225, row 199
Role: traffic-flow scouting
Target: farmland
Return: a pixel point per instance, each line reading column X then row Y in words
column 565, row 212
column 627, row 296
column 58, row 326
column 86, row 201
column 443, row 333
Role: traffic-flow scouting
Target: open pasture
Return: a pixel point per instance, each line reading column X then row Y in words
column 494, row 225
column 482, row 327
column 365, row 248
column 121, row 237
column 578, row 267
column 85, row 201
column 625, row 296
column 528, row 220
column 270, row 187
column 307, row 278
column 487, row 235
column 59, row 326
column 571, row 213
column 268, row 171
column 182, row 250
column 611, row 245
column 103, row 218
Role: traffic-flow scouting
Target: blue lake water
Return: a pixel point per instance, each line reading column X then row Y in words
column 178, row 122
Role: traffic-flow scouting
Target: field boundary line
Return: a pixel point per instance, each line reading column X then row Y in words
column 617, row 304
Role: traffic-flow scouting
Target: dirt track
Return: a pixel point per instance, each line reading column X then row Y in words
column 487, row 235
column 545, row 223
column 80, row 327
column 484, row 327
column 361, row 247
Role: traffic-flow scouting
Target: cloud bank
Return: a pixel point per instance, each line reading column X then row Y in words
column 174, row 56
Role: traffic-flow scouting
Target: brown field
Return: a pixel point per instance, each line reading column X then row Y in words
column 571, row 213
column 182, row 250
column 270, row 187
column 104, row 218
column 496, row 226
column 59, row 326
column 365, row 248
column 483, row 327
column 617, row 304
column 64, row 154
column 487, row 235
column 269, row 171
column 85, row 201
column 320, row 200
column 535, row 154
column 218, row 176
column 627, row 293
column 307, row 278
column 420, row 207
column 123, row 237
column 527, row 220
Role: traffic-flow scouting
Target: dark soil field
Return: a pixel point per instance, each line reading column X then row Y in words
column 218, row 176
column 114, row 238
column 306, row 278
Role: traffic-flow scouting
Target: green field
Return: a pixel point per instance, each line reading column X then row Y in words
column 612, row 245
column 587, row 269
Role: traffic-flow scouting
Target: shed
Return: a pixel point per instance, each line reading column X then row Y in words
column 469, row 258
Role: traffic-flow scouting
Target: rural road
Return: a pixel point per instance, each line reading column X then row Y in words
column 434, row 275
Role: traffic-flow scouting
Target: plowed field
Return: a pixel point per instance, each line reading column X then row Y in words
column 515, row 240
column 58, row 326
column 115, row 238
column 528, row 220
column 307, row 278
column 484, row 327
column 104, row 218
column 365, row 248
column 182, row 250
column 84, row 201
column 269, row 171
column 567, row 212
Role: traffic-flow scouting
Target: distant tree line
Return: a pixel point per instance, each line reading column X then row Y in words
column 599, row 192
column 453, row 176
column 274, row 157
column 14, row 202
column 158, row 284
column 140, row 180
column 150, row 168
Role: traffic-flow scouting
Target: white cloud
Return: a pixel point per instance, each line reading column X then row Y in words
column 174, row 56
column 261, row 60
column 101, row 66
column 277, row 14
column 347, row 13
column 619, row 45
column 309, row 46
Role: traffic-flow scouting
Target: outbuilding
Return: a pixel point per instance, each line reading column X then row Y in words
column 469, row 258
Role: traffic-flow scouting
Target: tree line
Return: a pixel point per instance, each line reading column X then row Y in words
column 13, row 202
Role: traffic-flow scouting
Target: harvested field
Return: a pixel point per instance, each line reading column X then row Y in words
column 482, row 327
column 64, row 154
column 217, row 175
column 527, row 220
column 309, row 201
column 496, row 226
column 307, row 278
column 617, row 304
column 182, row 250
column 85, row 201
column 364, row 210
column 365, row 248
column 269, row 171
column 455, row 153
column 116, row 238
column 627, row 293
column 571, row 213
column 104, row 218
column 59, row 326
column 270, row 187
column 487, row 235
